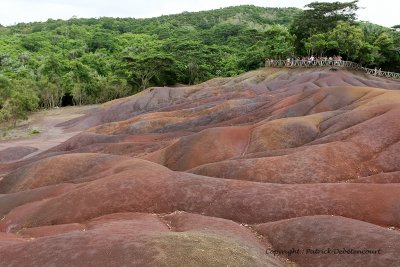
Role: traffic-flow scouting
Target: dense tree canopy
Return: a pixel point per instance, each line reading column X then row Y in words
column 349, row 39
column 331, row 29
column 321, row 17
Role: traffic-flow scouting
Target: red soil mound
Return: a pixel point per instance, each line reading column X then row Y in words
column 140, row 240
column 147, row 187
column 322, row 240
column 221, row 173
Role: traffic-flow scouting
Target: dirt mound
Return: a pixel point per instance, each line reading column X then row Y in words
column 235, row 171
column 326, row 238
column 147, row 187
column 139, row 240
column 280, row 83
column 15, row 153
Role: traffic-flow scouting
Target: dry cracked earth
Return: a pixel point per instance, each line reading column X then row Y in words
column 275, row 167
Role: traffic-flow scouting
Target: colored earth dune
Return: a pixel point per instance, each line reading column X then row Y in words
column 276, row 167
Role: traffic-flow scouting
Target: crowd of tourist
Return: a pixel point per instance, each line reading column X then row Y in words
column 315, row 61
column 311, row 60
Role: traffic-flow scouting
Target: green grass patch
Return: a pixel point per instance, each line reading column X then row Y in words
column 34, row 131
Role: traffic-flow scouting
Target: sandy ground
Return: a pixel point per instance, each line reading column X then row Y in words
column 44, row 121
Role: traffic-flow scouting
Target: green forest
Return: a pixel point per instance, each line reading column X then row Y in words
column 88, row 61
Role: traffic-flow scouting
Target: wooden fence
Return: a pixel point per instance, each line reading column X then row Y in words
column 330, row 63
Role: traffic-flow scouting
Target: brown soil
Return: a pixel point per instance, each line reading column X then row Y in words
column 48, row 135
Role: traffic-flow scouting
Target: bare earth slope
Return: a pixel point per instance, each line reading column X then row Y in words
column 275, row 167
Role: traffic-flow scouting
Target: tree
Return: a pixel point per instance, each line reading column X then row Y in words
column 18, row 101
column 50, row 82
column 320, row 43
column 101, row 40
column 253, row 59
column 32, row 43
column 321, row 17
column 146, row 67
column 371, row 31
column 278, row 43
column 385, row 44
column 368, row 55
column 388, row 52
column 83, row 82
column 349, row 38
column 5, row 88
column 194, row 60
column 223, row 31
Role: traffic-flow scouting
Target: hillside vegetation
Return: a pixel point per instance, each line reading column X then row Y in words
column 85, row 61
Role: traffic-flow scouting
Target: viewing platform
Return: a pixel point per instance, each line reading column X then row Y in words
column 329, row 63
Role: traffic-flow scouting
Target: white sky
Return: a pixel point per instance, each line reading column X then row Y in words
column 383, row 12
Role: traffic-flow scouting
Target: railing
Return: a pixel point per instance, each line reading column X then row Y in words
column 329, row 63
